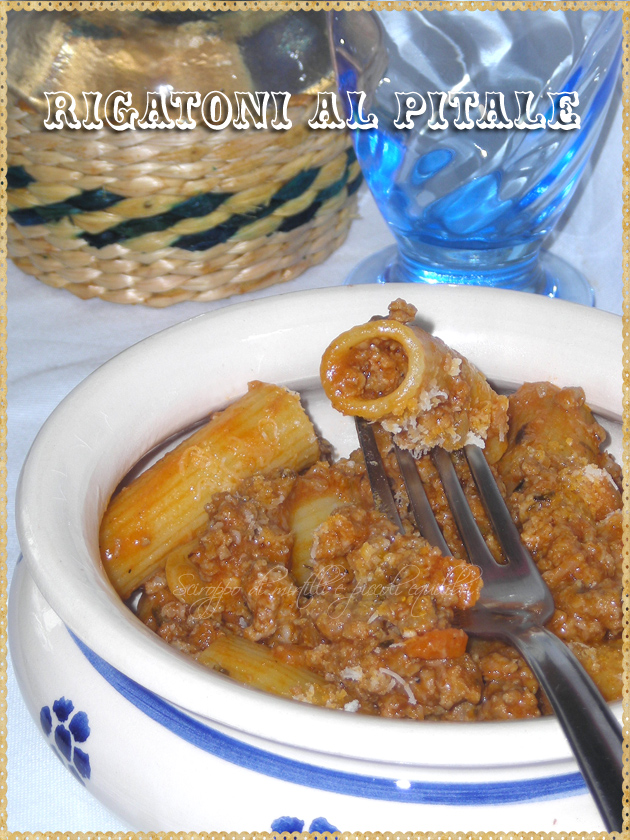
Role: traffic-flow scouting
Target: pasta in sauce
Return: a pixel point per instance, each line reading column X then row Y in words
column 296, row 584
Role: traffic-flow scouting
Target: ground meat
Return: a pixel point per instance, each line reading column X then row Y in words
column 371, row 592
column 372, row 613
column 374, row 368
column 510, row 688
column 565, row 498
column 272, row 601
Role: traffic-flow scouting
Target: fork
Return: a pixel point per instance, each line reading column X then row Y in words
column 514, row 605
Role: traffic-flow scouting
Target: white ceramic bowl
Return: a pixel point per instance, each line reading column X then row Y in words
column 168, row 745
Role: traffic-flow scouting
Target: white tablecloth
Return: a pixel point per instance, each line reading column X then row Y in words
column 55, row 340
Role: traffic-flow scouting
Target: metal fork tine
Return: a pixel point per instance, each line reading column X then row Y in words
column 504, row 527
column 514, row 605
column 420, row 507
column 381, row 491
column 472, row 537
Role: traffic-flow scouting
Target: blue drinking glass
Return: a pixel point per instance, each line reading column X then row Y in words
column 473, row 205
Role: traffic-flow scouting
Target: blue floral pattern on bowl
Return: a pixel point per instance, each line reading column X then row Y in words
column 291, row 825
column 67, row 731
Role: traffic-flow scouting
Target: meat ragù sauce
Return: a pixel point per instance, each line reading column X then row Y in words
column 373, row 613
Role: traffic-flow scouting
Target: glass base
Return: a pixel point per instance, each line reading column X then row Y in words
column 561, row 280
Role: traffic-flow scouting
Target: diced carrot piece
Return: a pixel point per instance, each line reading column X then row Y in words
column 437, row 644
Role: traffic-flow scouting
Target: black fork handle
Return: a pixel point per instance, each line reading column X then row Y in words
column 591, row 728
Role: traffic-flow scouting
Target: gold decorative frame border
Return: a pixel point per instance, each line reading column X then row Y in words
column 327, row 5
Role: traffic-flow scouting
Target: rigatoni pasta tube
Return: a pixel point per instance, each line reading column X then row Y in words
column 425, row 393
column 255, row 665
column 165, row 506
column 315, row 496
column 558, row 422
column 306, row 515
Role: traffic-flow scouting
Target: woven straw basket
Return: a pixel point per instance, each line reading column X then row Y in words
column 159, row 217
column 131, row 217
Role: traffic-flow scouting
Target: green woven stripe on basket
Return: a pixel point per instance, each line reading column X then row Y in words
column 222, row 233
column 226, row 230
column 90, row 200
column 195, row 207
column 18, row 178
column 324, row 195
